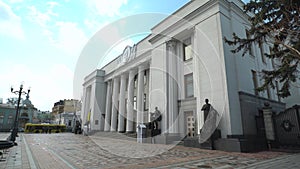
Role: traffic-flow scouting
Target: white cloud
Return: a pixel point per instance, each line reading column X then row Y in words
column 63, row 35
column 51, row 5
column 42, row 18
column 15, row 1
column 70, row 38
column 10, row 23
column 47, row 85
column 107, row 7
column 94, row 25
column 38, row 17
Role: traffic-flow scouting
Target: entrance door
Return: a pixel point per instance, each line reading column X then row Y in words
column 190, row 124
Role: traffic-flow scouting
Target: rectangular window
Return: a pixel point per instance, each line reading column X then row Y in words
column 145, row 78
column 189, row 85
column 145, row 102
column 135, row 81
column 126, row 84
column 272, row 60
column 10, row 120
column 277, row 91
column 268, row 92
column 187, row 49
column 1, row 118
column 262, row 52
column 255, row 82
column 134, row 102
column 250, row 45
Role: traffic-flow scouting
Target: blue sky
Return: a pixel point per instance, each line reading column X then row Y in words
column 40, row 41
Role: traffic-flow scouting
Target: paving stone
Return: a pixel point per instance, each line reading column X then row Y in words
column 66, row 150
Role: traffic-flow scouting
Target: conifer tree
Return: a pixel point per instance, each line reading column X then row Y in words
column 276, row 24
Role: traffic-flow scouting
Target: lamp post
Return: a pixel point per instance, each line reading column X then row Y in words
column 14, row 131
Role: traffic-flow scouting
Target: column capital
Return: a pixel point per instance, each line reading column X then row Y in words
column 133, row 72
column 171, row 44
column 116, row 78
column 123, row 76
column 141, row 68
column 108, row 82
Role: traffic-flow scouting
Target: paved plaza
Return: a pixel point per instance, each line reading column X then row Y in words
column 67, row 150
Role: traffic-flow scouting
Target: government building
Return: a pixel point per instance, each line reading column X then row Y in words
column 184, row 61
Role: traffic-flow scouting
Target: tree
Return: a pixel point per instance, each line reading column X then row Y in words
column 12, row 101
column 275, row 23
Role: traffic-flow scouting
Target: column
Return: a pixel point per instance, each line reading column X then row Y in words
column 108, row 107
column 122, row 104
column 196, row 78
column 172, row 87
column 115, row 104
column 140, row 95
column 130, row 110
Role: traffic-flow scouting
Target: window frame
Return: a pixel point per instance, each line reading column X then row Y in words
column 186, row 83
column 255, row 82
column 262, row 51
column 185, row 43
column 250, row 47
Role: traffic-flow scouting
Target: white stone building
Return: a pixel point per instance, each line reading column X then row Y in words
column 184, row 61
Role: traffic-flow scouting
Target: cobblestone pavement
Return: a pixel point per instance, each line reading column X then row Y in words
column 77, row 151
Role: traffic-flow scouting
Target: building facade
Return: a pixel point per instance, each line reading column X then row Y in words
column 180, row 64
column 8, row 114
column 65, row 112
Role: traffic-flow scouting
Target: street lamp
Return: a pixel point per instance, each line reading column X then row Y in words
column 14, row 131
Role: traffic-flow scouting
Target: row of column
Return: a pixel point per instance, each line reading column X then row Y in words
column 116, row 102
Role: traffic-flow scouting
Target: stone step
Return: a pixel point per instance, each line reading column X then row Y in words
column 133, row 135
column 115, row 135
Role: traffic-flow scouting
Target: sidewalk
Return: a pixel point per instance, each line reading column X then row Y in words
column 16, row 157
column 67, row 150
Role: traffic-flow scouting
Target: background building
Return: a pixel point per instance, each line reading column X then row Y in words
column 8, row 112
column 64, row 112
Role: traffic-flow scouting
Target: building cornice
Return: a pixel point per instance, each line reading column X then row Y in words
column 229, row 6
column 94, row 76
column 174, row 26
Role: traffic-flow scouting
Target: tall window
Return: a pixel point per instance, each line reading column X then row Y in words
column 134, row 102
column 189, row 86
column 10, row 120
column 1, row 118
column 277, row 90
column 268, row 92
column 145, row 102
column 187, row 49
column 250, row 45
column 262, row 52
column 135, row 81
column 255, row 82
column 272, row 60
column 126, row 84
column 145, row 77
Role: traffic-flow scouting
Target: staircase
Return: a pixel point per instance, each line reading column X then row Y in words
column 116, row 135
